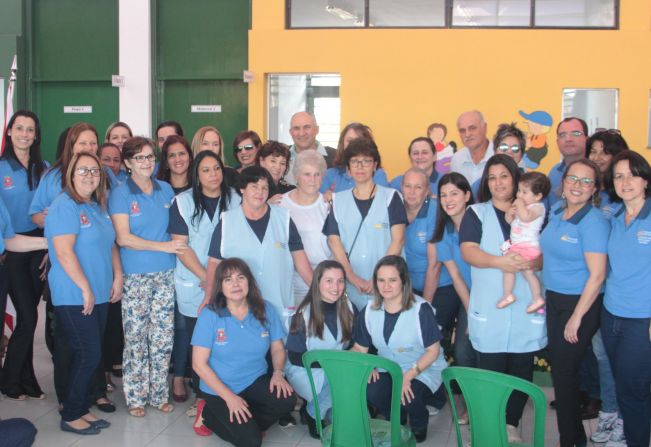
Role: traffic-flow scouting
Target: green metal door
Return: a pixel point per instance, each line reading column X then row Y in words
column 74, row 52
column 200, row 52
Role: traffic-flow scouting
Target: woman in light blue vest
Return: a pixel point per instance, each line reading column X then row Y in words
column 403, row 328
column 626, row 315
column 365, row 223
column 265, row 237
column 505, row 339
column 324, row 320
column 193, row 217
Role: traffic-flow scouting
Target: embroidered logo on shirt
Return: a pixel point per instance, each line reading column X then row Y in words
column 264, row 334
column 571, row 240
column 134, row 208
column 422, row 236
column 405, row 349
column 221, row 336
column 644, row 237
column 381, row 225
column 84, row 221
column 282, row 245
column 8, row 182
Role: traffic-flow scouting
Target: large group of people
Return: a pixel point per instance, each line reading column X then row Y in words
column 155, row 253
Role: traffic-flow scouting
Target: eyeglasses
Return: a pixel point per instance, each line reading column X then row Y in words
column 142, row 158
column 83, row 172
column 366, row 162
column 584, row 181
column 506, row 148
column 246, row 147
column 574, row 133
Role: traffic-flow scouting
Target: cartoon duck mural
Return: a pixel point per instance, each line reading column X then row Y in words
column 538, row 125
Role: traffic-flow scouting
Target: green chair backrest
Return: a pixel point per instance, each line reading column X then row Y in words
column 347, row 373
column 486, row 394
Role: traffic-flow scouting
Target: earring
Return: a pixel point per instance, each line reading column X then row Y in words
column 563, row 195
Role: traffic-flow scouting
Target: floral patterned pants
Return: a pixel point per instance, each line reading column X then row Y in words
column 148, row 321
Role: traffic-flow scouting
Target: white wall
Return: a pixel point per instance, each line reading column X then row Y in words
column 135, row 57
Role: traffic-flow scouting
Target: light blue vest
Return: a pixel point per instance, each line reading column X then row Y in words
column 297, row 375
column 511, row 329
column 188, row 293
column 405, row 343
column 374, row 236
column 270, row 261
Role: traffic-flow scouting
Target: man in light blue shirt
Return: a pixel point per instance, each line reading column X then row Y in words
column 571, row 136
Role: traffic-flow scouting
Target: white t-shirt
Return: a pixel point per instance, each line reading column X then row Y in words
column 528, row 232
column 309, row 223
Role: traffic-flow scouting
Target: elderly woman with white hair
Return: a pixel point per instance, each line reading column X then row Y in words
column 308, row 210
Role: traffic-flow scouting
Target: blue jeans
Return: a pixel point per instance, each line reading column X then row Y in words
column 449, row 311
column 629, row 350
column 84, row 334
column 606, row 380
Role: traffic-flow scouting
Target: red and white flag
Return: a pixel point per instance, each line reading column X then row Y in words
column 9, row 107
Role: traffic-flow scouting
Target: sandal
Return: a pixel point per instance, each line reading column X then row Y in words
column 137, row 412
column 165, row 408
column 192, row 410
column 18, row 397
column 198, row 426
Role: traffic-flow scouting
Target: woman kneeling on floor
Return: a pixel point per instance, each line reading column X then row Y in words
column 230, row 342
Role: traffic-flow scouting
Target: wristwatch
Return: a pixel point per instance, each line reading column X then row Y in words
column 416, row 368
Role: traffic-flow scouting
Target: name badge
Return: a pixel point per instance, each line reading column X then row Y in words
column 569, row 239
column 280, row 245
column 264, row 334
column 381, row 225
column 405, row 349
column 643, row 237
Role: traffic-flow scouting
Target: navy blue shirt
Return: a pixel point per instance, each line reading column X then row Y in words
column 397, row 214
column 178, row 226
column 429, row 327
column 259, row 227
column 471, row 227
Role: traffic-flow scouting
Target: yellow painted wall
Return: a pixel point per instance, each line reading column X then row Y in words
column 399, row 80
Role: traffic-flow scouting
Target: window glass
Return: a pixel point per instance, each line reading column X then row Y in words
column 491, row 13
column 312, row 92
column 327, row 13
column 407, row 13
column 598, row 107
column 575, row 13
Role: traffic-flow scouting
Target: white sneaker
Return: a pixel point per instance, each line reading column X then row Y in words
column 617, row 438
column 433, row 411
column 513, row 434
column 604, row 427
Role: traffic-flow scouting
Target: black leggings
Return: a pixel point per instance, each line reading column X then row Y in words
column 265, row 407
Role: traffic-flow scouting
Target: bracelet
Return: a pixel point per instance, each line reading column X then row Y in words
column 416, row 368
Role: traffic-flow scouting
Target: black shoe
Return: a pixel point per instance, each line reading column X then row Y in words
column 80, row 431
column 100, row 423
column 287, row 420
column 420, row 436
column 591, row 409
column 552, row 404
column 106, row 407
column 310, row 421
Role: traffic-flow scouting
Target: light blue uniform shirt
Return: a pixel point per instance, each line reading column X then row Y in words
column 16, row 194
column 337, row 179
column 564, row 244
column 116, row 180
column 95, row 237
column 148, row 219
column 417, row 234
column 493, row 330
column 629, row 255
column 6, row 230
column 238, row 349
column 607, row 207
column 434, row 180
column 448, row 249
column 48, row 190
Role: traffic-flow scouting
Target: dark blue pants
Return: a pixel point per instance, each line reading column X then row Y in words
column 378, row 394
column 629, row 349
column 181, row 347
column 450, row 311
column 17, row 432
column 84, row 334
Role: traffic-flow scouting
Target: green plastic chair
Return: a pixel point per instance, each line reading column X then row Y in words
column 486, row 394
column 347, row 373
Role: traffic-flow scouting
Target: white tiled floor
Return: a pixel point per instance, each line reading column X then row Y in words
column 175, row 429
